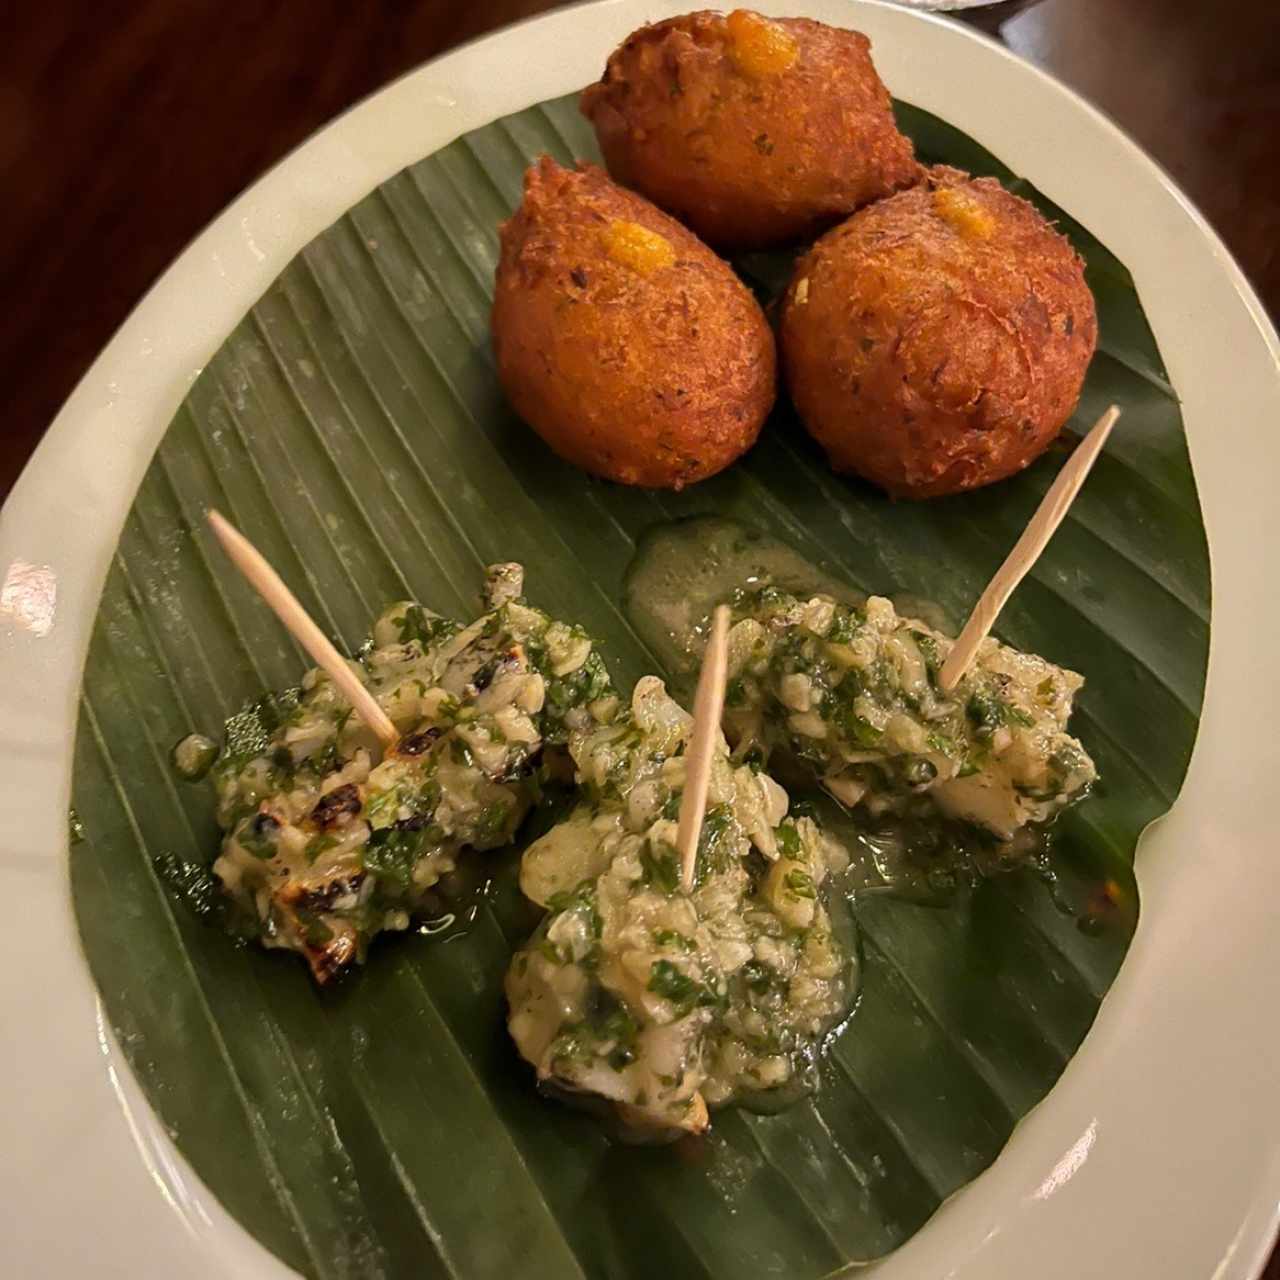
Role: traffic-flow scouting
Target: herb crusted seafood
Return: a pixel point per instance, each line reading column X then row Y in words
column 853, row 694
column 656, row 1001
column 660, row 1001
column 329, row 841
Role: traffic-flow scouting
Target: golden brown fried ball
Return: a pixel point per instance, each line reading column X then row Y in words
column 937, row 341
column 753, row 131
column 626, row 344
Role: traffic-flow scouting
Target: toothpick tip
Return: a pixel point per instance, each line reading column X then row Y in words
column 1035, row 537
column 221, row 526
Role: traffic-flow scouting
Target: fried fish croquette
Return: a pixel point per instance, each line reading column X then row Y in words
column 937, row 341
column 621, row 339
column 753, row 131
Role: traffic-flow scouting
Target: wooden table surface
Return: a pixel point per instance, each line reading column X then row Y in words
column 125, row 128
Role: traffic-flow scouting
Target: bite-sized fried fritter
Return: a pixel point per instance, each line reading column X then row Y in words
column 754, row 131
column 937, row 341
column 626, row 344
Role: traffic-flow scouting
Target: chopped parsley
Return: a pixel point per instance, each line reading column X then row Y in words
column 789, row 841
column 800, row 884
column 393, row 852
column 683, row 992
column 661, row 869
column 713, row 848
column 582, row 899
column 426, row 628
column 490, row 827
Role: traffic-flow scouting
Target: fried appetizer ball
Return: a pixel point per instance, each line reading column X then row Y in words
column 621, row 339
column 937, row 341
column 753, row 131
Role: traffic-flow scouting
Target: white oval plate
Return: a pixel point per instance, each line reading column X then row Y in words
column 1157, row 1155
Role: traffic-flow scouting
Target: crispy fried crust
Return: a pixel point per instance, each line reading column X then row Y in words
column 749, row 151
column 630, row 348
column 938, row 340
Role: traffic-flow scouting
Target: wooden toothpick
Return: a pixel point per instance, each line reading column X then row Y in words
column 268, row 584
column 1026, row 551
column 708, row 703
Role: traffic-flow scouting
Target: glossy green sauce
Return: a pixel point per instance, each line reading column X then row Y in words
column 849, row 702
column 682, row 570
column 330, row 839
column 663, row 999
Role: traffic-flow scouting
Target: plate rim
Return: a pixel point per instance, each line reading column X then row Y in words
column 245, row 246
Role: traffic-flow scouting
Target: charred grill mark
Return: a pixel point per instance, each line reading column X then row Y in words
column 522, row 766
column 336, row 805
column 509, row 663
column 415, row 823
column 330, row 958
column 483, row 678
column 416, row 743
column 298, row 898
column 263, row 826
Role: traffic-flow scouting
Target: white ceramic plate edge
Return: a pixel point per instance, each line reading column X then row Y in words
column 1124, row 1170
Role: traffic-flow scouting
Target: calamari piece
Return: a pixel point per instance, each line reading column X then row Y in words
column 660, row 1001
column 853, row 693
column 329, row 841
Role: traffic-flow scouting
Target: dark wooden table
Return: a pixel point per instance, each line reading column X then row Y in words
column 125, row 128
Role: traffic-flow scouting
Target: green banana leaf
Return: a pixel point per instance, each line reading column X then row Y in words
column 353, row 427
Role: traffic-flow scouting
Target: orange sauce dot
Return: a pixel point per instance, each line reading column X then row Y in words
column 757, row 46
column 637, row 247
column 964, row 213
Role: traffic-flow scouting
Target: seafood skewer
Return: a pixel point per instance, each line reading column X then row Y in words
column 663, row 1001
column 339, row 826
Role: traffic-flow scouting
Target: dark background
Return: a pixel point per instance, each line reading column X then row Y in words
column 124, row 128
